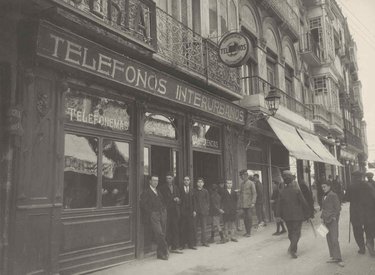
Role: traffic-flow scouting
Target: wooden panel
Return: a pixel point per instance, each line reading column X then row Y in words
column 31, row 253
column 89, row 231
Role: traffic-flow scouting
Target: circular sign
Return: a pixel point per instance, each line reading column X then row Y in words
column 234, row 49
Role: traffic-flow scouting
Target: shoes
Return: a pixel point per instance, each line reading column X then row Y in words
column 282, row 232
column 223, row 241
column 192, row 247
column 205, row 244
column 293, row 255
column 176, row 251
column 341, row 263
column 370, row 249
column 233, row 239
column 211, row 240
column 239, row 229
column 332, row 261
column 276, row 234
column 247, row 235
column 165, row 258
column 362, row 251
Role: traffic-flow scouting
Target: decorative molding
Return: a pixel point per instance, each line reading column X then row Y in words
column 42, row 104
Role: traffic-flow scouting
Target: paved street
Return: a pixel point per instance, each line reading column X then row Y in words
column 260, row 254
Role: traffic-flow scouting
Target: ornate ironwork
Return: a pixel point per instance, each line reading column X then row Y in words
column 295, row 105
column 42, row 104
column 285, row 12
column 254, row 116
column 178, row 43
column 220, row 73
column 132, row 17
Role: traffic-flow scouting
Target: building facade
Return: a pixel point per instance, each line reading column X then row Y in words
column 97, row 95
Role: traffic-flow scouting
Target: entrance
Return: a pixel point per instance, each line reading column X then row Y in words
column 206, row 166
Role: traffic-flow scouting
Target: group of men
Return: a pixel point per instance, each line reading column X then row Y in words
column 174, row 212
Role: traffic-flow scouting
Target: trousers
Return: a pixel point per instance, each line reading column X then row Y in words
column 261, row 216
column 294, row 233
column 201, row 221
column 333, row 239
column 158, row 225
column 247, row 219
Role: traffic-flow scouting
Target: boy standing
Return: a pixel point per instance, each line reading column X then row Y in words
column 229, row 201
column 202, row 202
column 216, row 212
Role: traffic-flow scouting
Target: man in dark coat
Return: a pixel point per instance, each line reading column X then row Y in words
column 188, row 213
column 259, row 209
column 293, row 209
column 171, row 196
column 362, row 208
column 202, row 206
column 229, row 202
column 152, row 203
column 337, row 188
column 307, row 195
column 370, row 179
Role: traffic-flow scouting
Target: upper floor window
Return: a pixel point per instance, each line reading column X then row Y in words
column 289, row 81
column 320, row 85
column 222, row 18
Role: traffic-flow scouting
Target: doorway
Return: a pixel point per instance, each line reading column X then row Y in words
column 206, row 166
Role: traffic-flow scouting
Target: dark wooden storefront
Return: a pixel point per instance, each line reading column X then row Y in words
column 90, row 139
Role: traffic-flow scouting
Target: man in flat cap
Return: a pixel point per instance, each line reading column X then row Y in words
column 246, row 200
column 370, row 179
column 293, row 209
column 362, row 208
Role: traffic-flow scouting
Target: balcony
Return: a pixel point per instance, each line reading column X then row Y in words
column 184, row 48
column 336, row 123
column 321, row 115
column 285, row 14
column 132, row 19
column 353, row 140
column 310, row 50
column 258, row 86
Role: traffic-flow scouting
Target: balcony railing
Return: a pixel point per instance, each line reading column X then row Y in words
column 260, row 86
column 320, row 114
column 353, row 140
column 336, row 120
column 178, row 43
column 181, row 46
column 311, row 49
column 122, row 16
column 285, row 12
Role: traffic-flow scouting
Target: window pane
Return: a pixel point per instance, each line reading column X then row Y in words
column 232, row 16
column 205, row 136
column 115, row 173
column 160, row 125
column 213, row 19
column 99, row 112
column 80, row 171
column 223, row 16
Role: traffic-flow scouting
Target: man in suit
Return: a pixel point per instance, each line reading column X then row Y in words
column 188, row 213
column 362, row 207
column 246, row 200
column 259, row 209
column 331, row 207
column 171, row 195
column 293, row 209
column 152, row 203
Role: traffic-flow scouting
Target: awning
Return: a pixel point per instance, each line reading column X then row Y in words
column 292, row 141
column 317, row 146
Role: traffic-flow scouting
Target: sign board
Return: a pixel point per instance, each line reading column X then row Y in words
column 234, row 49
column 74, row 51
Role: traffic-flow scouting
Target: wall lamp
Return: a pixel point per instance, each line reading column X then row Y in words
column 272, row 102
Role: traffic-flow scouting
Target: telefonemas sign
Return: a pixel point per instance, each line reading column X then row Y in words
column 78, row 52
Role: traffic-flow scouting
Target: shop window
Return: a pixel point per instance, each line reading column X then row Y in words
column 160, row 125
column 85, row 173
column 205, row 136
column 97, row 112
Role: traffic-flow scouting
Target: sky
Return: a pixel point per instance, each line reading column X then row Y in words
column 361, row 20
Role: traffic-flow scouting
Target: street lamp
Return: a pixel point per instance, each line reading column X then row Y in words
column 272, row 102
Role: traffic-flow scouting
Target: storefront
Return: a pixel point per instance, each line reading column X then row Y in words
column 98, row 123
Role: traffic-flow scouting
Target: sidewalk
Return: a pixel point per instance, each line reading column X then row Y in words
column 262, row 254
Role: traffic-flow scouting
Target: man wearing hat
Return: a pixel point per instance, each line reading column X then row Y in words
column 293, row 209
column 370, row 179
column 246, row 200
column 362, row 208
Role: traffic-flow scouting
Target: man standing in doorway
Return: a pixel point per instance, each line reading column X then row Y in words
column 247, row 199
column 293, row 209
column 188, row 213
column 259, row 202
column 152, row 203
column 172, row 199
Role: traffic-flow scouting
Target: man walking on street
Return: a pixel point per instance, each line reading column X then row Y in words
column 362, row 208
column 171, row 195
column 293, row 209
column 152, row 203
column 259, row 202
column 247, row 199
